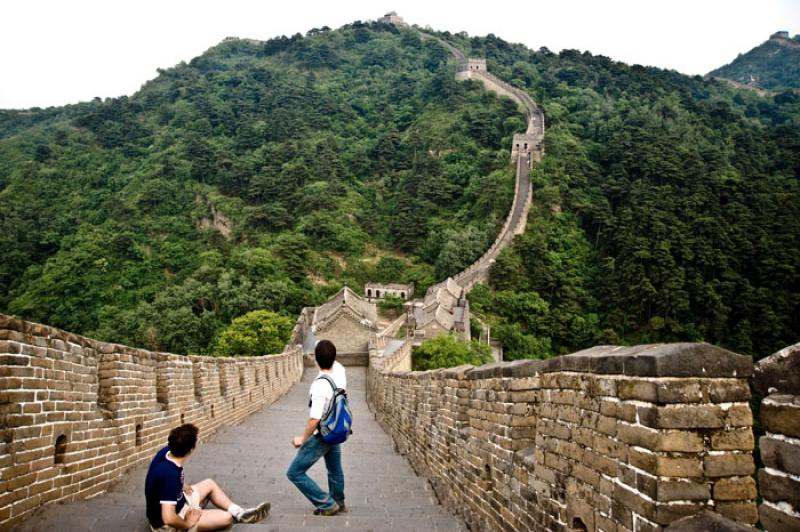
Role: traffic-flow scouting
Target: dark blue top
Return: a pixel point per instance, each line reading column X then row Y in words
column 164, row 484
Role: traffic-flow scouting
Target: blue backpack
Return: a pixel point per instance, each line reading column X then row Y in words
column 335, row 425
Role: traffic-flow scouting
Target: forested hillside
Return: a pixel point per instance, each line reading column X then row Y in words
column 267, row 174
column 259, row 175
column 772, row 65
column 667, row 208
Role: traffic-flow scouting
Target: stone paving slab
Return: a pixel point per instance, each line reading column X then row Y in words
column 250, row 460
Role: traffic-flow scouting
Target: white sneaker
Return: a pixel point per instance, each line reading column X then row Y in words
column 254, row 515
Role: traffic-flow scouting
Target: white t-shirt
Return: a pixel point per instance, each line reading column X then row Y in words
column 322, row 392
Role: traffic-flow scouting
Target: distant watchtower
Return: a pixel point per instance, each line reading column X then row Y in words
column 473, row 64
column 523, row 144
column 469, row 67
column 393, row 18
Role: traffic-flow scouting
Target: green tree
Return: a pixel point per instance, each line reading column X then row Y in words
column 260, row 332
column 447, row 351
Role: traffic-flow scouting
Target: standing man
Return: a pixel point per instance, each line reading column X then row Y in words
column 310, row 445
column 174, row 505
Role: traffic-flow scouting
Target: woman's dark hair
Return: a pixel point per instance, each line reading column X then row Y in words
column 182, row 439
column 325, row 353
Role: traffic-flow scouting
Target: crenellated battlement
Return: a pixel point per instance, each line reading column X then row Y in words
column 611, row 438
column 76, row 413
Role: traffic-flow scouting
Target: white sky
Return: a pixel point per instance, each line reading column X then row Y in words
column 54, row 52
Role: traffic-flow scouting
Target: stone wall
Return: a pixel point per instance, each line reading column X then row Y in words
column 76, row 413
column 777, row 379
column 399, row 360
column 607, row 439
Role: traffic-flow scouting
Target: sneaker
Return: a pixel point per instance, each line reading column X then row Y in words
column 342, row 509
column 333, row 510
column 254, row 515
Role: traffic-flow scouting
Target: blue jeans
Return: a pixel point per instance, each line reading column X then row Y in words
column 307, row 455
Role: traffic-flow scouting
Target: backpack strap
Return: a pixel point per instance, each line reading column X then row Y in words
column 331, row 405
column 330, row 381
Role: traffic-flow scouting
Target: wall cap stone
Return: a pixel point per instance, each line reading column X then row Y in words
column 656, row 360
column 651, row 360
column 707, row 521
column 779, row 372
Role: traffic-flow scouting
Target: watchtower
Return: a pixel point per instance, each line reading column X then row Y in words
column 523, row 144
column 473, row 64
column 393, row 18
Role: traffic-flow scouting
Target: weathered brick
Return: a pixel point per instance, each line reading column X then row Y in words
column 781, row 414
column 777, row 487
column 634, row 502
column 735, row 489
column 637, row 389
column 682, row 490
column 679, row 391
column 740, row 415
column 775, row 519
column 669, row 466
column 690, row 416
column 780, row 454
column 728, row 390
column 668, row 512
column 743, row 512
column 680, row 441
column 733, row 440
column 728, row 464
column 637, row 435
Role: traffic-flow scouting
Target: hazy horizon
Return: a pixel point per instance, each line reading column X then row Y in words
column 57, row 53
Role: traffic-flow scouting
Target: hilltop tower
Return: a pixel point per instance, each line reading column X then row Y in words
column 393, row 18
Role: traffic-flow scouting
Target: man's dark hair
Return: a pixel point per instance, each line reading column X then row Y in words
column 325, row 353
column 182, row 439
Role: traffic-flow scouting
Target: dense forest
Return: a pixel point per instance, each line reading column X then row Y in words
column 264, row 175
column 260, row 175
column 667, row 208
column 772, row 65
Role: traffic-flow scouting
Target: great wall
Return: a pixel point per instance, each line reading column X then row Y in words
column 645, row 438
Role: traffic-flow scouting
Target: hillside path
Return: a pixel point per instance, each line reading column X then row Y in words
column 249, row 461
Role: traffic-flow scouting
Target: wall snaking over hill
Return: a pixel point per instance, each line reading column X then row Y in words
column 608, row 439
column 76, row 413
column 517, row 217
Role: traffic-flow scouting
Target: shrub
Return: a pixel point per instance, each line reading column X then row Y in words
column 447, row 351
column 260, row 332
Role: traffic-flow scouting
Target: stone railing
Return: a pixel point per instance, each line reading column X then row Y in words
column 76, row 413
column 777, row 379
column 606, row 439
column 390, row 330
column 301, row 326
column 399, row 360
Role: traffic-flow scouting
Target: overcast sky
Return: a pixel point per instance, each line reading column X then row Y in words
column 54, row 52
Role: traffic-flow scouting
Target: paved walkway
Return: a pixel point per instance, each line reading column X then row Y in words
column 249, row 461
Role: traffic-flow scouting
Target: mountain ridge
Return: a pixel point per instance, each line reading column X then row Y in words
column 353, row 155
column 773, row 65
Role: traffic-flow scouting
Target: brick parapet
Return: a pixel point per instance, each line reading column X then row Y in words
column 613, row 438
column 76, row 413
column 777, row 380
